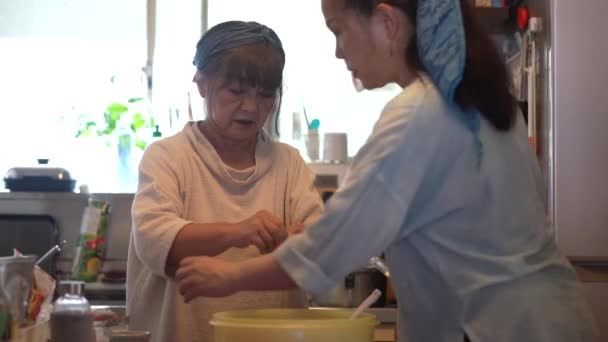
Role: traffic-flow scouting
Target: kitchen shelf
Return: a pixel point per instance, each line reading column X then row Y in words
column 591, row 269
column 589, row 260
column 495, row 19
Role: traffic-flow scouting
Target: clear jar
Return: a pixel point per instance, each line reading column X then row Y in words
column 71, row 319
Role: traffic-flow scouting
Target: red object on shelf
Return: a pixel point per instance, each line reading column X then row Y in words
column 523, row 17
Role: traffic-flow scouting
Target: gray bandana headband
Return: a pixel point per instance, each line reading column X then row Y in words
column 234, row 34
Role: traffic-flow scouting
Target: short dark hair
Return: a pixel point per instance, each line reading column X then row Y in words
column 486, row 83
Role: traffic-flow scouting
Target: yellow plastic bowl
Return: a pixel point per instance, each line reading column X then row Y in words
column 293, row 325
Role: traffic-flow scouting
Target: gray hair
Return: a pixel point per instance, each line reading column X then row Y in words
column 233, row 34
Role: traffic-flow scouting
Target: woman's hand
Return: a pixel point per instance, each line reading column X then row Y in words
column 210, row 277
column 263, row 230
column 206, row 276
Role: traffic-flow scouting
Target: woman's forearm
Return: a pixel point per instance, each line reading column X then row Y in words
column 196, row 239
column 262, row 273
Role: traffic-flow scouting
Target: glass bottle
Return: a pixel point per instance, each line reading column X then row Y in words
column 71, row 319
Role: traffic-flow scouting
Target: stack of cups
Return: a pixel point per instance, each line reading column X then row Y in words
column 335, row 148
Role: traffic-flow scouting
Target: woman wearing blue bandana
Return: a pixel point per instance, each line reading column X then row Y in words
column 446, row 186
column 221, row 187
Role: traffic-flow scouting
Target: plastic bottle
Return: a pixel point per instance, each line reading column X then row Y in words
column 71, row 319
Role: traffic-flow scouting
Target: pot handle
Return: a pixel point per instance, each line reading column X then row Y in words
column 378, row 264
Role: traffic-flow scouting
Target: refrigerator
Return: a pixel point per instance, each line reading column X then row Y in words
column 571, row 127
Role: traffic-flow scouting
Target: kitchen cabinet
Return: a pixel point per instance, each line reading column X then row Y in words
column 593, row 272
column 385, row 332
column 597, row 294
column 496, row 19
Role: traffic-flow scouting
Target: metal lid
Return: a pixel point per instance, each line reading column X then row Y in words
column 48, row 172
column 73, row 287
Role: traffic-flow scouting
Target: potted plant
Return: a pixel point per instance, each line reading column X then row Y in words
column 122, row 123
column 125, row 129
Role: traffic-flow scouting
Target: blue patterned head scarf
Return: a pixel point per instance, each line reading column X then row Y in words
column 442, row 50
column 233, row 34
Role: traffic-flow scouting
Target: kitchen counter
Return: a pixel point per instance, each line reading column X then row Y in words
column 106, row 294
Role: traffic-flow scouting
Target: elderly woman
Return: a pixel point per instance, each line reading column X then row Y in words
column 220, row 187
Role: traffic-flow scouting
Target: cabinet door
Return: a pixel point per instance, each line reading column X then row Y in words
column 597, row 295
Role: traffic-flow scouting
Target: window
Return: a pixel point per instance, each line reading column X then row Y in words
column 65, row 61
column 47, row 84
column 62, row 62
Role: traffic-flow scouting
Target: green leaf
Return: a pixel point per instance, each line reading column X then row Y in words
column 88, row 131
column 111, row 118
column 109, row 130
column 141, row 144
column 115, row 110
column 135, row 99
column 137, row 122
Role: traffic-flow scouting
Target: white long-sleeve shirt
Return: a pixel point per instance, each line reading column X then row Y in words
column 470, row 249
column 183, row 180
